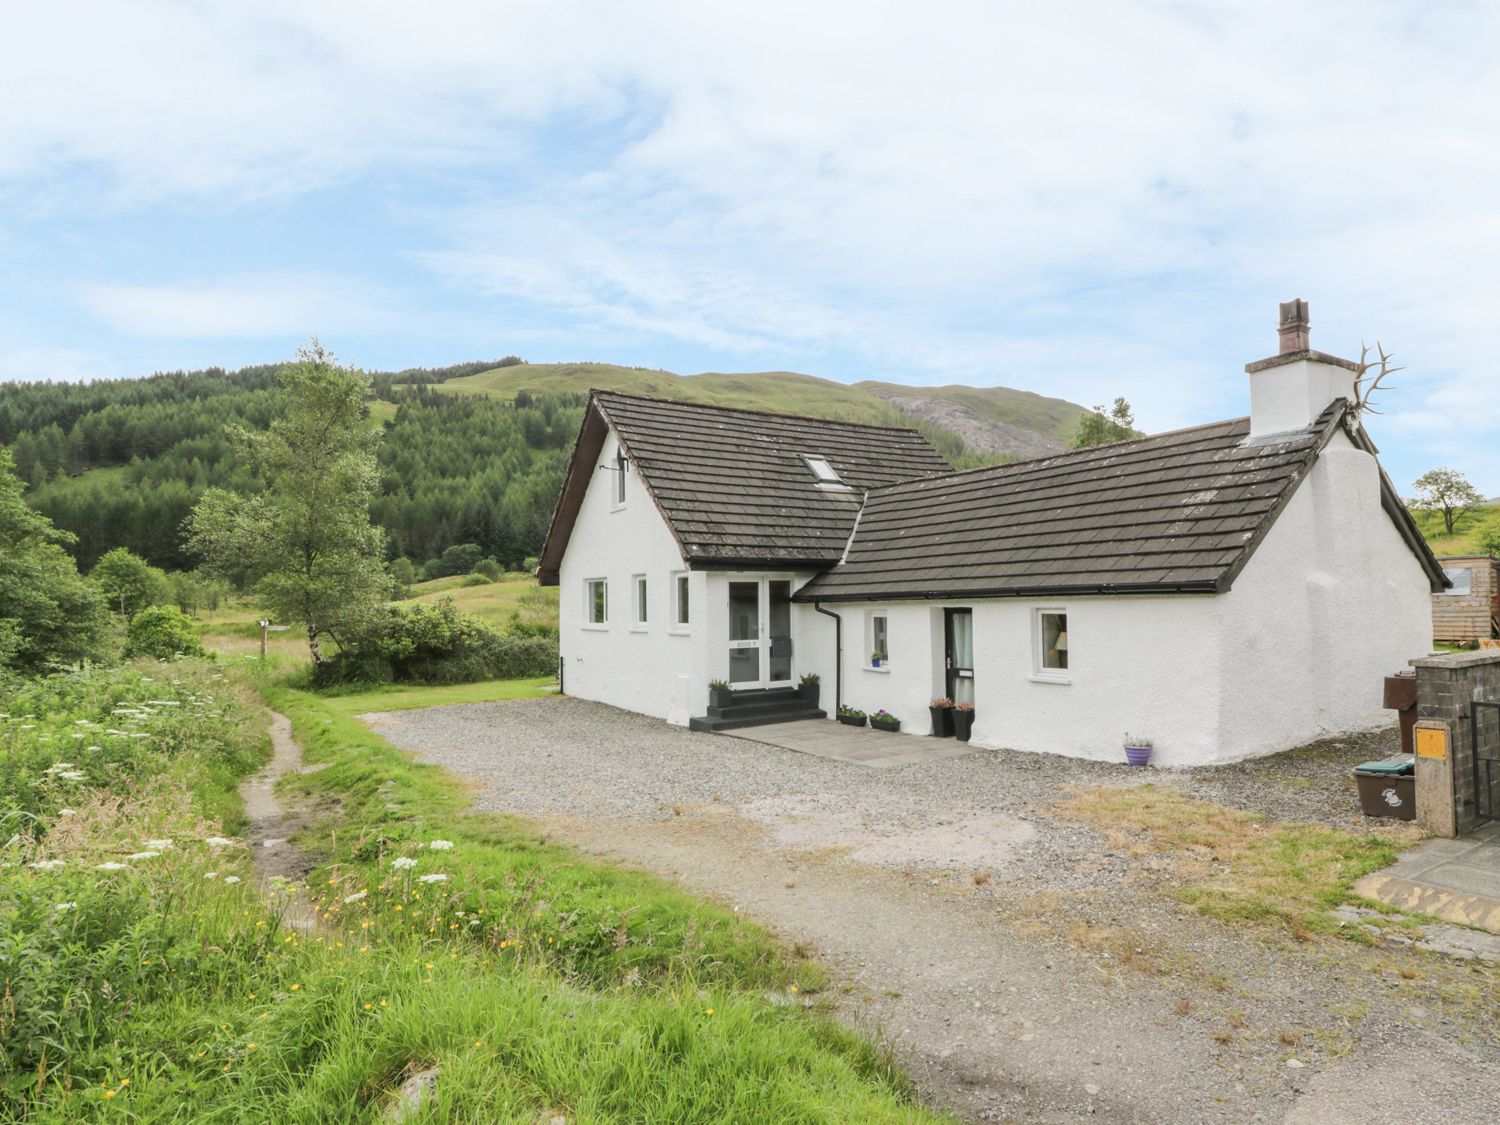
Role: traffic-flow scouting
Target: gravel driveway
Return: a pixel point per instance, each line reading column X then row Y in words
column 1021, row 967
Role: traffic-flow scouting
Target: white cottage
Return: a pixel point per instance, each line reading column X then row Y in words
column 1228, row 590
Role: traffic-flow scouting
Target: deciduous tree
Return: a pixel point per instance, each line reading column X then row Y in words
column 49, row 614
column 1447, row 491
column 306, row 543
column 1104, row 425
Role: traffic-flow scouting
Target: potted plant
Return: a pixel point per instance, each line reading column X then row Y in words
column 876, row 658
column 809, row 688
column 720, row 694
column 1137, row 750
column 884, row 720
column 851, row 717
column 963, row 721
column 942, row 717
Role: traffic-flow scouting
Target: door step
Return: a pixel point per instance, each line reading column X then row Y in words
column 732, row 718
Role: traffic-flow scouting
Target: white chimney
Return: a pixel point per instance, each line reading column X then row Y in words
column 1289, row 390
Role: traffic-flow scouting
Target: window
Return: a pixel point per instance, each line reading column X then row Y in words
column 824, row 473
column 1462, row 578
column 622, row 467
column 596, row 601
column 877, row 635
column 681, row 610
column 640, row 600
column 1051, row 629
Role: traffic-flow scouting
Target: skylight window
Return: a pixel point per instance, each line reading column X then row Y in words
column 822, row 470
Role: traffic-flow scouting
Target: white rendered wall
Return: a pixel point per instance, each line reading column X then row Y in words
column 1136, row 665
column 655, row 670
column 1291, row 396
column 1332, row 603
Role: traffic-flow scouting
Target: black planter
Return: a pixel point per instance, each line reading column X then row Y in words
column 850, row 721
column 942, row 722
column 720, row 697
column 809, row 693
column 963, row 724
column 886, row 724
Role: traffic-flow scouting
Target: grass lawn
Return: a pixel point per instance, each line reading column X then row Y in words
column 359, row 700
column 1238, row 867
column 1467, row 529
column 146, row 978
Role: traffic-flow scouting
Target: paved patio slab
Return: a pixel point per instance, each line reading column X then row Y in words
column 1456, row 880
column 862, row 746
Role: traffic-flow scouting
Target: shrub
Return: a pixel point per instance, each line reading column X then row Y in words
column 489, row 568
column 162, row 631
column 476, row 580
column 437, row 644
column 530, row 564
column 461, row 558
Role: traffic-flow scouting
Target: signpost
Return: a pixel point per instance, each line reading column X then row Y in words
column 266, row 629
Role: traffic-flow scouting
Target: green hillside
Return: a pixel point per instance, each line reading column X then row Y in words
column 784, row 391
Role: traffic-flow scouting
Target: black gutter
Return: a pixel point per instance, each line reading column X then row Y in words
column 838, row 648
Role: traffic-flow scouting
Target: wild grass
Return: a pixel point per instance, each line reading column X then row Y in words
column 1234, row 866
column 169, row 989
column 357, row 699
column 1466, row 530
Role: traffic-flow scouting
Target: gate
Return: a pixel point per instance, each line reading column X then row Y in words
column 1484, row 743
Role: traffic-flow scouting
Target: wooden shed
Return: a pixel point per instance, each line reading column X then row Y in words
column 1469, row 610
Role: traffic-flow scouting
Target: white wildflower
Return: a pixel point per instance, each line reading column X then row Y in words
column 231, row 879
column 66, row 906
column 218, row 842
column 143, row 855
column 437, row 878
column 210, row 874
column 403, row 862
column 67, row 812
column 441, row 845
column 71, row 775
column 159, row 845
column 358, row 896
column 110, row 866
column 48, row 864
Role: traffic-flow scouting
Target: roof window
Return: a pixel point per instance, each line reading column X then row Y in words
column 825, row 473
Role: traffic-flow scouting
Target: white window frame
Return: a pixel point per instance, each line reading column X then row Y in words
column 619, row 470
column 870, row 617
column 588, row 603
column 1457, row 591
column 640, row 599
column 681, row 581
column 1039, row 671
column 824, row 474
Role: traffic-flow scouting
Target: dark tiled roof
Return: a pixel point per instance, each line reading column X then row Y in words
column 1178, row 512
column 734, row 487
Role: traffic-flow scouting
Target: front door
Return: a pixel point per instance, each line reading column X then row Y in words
column 959, row 630
column 760, row 633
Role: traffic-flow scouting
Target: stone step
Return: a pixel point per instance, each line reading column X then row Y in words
column 774, row 715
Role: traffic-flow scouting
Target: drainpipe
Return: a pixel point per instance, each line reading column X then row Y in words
column 838, row 645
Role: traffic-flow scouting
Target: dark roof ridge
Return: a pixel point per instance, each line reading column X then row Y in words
column 763, row 413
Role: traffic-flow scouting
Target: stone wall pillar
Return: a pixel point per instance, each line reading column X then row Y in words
column 1447, row 684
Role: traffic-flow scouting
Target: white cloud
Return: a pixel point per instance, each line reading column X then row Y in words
column 1084, row 198
column 233, row 308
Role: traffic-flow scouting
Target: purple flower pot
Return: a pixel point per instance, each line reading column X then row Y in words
column 1138, row 755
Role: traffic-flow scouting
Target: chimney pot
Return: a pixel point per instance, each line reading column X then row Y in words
column 1293, row 328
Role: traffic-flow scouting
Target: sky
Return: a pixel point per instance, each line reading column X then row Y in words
column 1081, row 199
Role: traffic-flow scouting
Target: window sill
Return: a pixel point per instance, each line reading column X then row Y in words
column 884, row 668
column 604, row 628
column 683, row 632
column 1045, row 678
column 640, row 628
